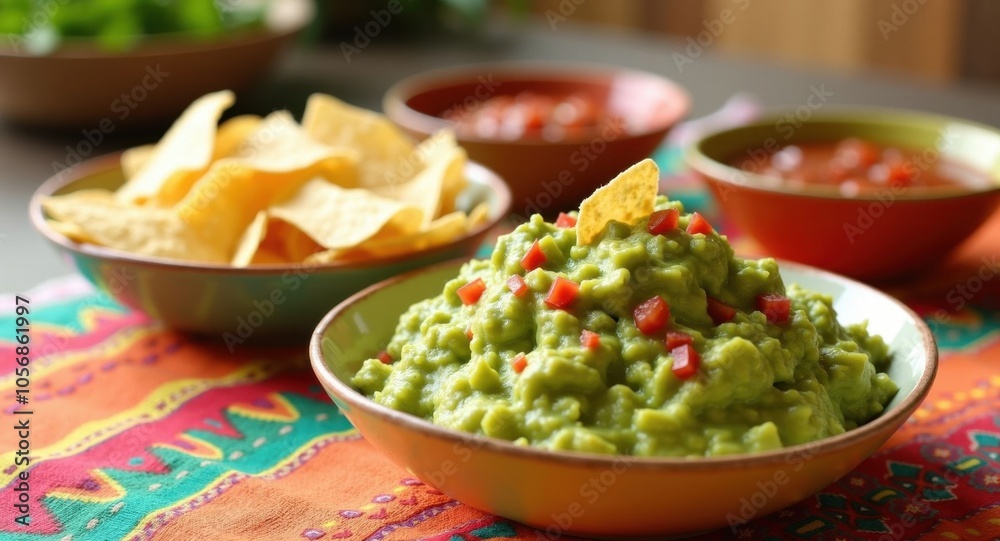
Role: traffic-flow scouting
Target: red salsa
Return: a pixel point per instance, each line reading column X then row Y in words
column 529, row 115
column 858, row 167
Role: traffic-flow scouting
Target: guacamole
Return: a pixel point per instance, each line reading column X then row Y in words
column 653, row 340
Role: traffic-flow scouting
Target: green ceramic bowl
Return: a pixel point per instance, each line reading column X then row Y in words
column 586, row 495
column 243, row 303
column 889, row 234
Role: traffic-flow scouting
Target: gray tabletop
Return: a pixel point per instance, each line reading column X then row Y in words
column 27, row 156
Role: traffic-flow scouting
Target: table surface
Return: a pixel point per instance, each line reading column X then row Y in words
column 26, row 156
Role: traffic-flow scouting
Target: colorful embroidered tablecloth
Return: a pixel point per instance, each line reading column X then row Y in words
column 137, row 432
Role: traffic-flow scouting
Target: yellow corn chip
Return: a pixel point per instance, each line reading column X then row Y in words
column 454, row 181
column 627, row 198
column 234, row 133
column 250, row 240
column 479, row 215
column 442, row 165
column 383, row 148
column 135, row 159
column 71, row 231
column 184, row 152
column 441, row 231
column 102, row 219
column 339, row 218
column 271, row 165
column 231, row 134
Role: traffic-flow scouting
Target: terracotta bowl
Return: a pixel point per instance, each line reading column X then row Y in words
column 546, row 177
column 601, row 496
column 81, row 86
column 876, row 237
column 263, row 301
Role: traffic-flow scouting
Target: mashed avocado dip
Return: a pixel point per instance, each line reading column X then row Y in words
column 649, row 339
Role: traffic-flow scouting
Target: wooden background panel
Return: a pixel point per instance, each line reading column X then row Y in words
column 930, row 39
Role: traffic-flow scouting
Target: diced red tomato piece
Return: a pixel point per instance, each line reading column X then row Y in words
column 385, row 357
column 677, row 338
column 652, row 315
column 534, row 258
column 468, row 333
column 775, row 307
column 590, row 339
column 562, row 293
column 662, row 221
column 699, row 224
column 517, row 286
column 686, row 361
column 565, row 220
column 519, row 362
column 719, row 311
column 470, row 292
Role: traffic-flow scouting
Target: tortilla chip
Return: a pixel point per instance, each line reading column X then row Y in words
column 233, row 133
column 250, row 240
column 442, row 164
column 135, row 159
column 628, row 198
column 382, row 147
column 290, row 241
column 479, row 215
column 184, row 152
column 71, row 231
column 339, row 218
column 103, row 219
column 441, row 231
column 270, row 166
column 454, row 181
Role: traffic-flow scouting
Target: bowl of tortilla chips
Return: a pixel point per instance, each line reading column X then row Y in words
column 251, row 227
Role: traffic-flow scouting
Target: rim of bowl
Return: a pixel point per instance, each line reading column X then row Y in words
column 826, row 445
column 717, row 171
column 500, row 194
column 394, row 102
column 184, row 42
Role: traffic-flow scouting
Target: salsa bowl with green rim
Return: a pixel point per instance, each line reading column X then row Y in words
column 613, row 497
column 249, row 303
column 885, row 234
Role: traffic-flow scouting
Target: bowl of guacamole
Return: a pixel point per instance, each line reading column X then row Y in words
column 626, row 344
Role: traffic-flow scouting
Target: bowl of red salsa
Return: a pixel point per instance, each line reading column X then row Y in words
column 871, row 193
column 554, row 131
